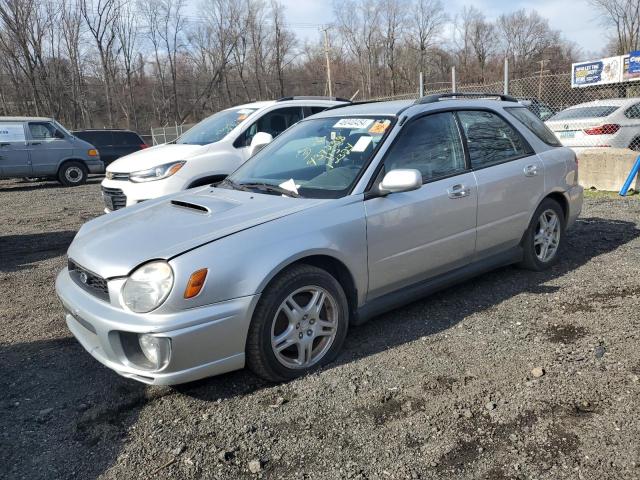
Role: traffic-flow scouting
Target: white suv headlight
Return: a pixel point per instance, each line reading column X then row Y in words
column 148, row 286
column 156, row 173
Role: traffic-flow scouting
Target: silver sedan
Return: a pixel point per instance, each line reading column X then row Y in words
column 349, row 213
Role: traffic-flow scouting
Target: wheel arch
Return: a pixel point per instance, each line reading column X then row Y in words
column 329, row 263
column 69, row 160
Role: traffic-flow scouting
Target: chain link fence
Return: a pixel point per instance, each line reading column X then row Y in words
column 611, row 118
column 166, row 134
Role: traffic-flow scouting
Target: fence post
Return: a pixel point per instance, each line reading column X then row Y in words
column 421, row 85
column 506, row 76
column 453, row 79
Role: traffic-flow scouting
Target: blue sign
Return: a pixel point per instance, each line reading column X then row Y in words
column 634, row 62
column 587, row 73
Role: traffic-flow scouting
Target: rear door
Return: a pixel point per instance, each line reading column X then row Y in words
column 510, row 179
column 14, row 152
column 415, row 235
column 47, row 146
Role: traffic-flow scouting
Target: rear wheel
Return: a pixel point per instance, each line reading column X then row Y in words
column 299, row 325
column 635, row 144
column 545, row 236
column 72, row 174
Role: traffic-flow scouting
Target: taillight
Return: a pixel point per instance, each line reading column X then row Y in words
column 606, row 129
column 144, row 145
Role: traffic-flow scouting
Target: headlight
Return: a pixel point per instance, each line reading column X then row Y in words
column 156, row 173
column 148, row 286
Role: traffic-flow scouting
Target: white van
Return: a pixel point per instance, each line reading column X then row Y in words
column 206, row 153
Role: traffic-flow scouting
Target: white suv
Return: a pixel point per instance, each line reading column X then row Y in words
column 207, row 153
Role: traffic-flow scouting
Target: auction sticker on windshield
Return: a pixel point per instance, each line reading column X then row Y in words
column 353, row 123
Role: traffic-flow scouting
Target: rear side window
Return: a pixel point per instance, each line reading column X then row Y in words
column 126, row 138
column 490, row 139
column 315, row 110
column 533, row 123
column 429, row 144
column 97, row 139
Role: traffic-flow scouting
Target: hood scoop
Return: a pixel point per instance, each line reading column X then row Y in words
column 191, row 206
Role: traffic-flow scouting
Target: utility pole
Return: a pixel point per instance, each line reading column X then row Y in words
column 326, row 53
column 541, row 62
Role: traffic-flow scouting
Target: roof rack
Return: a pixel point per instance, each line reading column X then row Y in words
column 311, row 97
column 455, row 95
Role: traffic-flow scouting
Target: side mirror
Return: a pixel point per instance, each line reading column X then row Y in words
column 400, row 180
column 59, row 135
column 259, row 141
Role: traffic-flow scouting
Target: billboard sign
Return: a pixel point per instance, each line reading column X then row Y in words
column 597, row 72
column 631, row 67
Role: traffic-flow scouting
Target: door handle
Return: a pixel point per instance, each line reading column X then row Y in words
column 530, row 170
column 458, row 191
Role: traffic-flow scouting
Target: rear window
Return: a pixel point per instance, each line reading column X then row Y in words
column 533, row 123
column 595, row 111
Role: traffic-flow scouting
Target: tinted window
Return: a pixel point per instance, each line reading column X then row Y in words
column 633, row 112
column 42, row 130
column 595, row 111
column 429, row 144
column 274, row 123
column 315, row 110
column 96, row 139
column 126, row 139
column 490, row 139
column 533, row 123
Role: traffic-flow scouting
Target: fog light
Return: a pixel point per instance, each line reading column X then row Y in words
column 155, row 349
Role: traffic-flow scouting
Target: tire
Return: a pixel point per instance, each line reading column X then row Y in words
column 635, row 144
column 293, row 331
column 72, row 174
column 534, row 240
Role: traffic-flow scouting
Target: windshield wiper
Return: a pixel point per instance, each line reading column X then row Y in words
column 268, row 187
column 227, row 182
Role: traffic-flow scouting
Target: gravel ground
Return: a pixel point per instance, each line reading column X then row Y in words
column 443, row 388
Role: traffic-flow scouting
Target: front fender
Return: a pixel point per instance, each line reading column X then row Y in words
column 242, row 264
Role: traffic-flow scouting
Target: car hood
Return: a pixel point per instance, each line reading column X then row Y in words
column 154, row 156
column 114, row 244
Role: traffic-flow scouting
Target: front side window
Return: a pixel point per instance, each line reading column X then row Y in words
column 490, row 140
column 429, row 144
column 43, row 131
column 273, row 123
column 318, row 158
column 533, row 123
column 215, row 128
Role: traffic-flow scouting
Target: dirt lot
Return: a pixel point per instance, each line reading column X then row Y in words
column 440, row 389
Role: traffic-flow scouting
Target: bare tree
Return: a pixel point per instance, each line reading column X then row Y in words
column 100, row 17
column 425, row 28
column 624, row 17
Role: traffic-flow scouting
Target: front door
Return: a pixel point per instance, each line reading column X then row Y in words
column 47, row 146
column 14, row 153
column 510, row 180
column 416, row 235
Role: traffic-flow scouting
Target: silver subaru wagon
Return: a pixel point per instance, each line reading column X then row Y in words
column 347, row 214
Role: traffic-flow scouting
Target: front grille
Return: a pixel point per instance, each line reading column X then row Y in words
column 117, row 176
column 89, row 281
column 114, row 198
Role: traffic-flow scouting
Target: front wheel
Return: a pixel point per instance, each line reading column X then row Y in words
column 72, row 174
column 299, row 325
column 545, row 236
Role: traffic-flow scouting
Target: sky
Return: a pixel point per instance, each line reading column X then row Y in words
column 576, row 19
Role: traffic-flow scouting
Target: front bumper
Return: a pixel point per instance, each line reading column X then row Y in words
column 205, row 341
column 95, row 166
column 139, row 192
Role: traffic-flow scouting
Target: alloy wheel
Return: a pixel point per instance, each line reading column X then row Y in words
column 304, row 327
column 547, row 237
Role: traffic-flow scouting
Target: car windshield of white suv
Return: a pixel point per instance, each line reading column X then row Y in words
column 317, row 158
column 595, row 111
column 214, row 128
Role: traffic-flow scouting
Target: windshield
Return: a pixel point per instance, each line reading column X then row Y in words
column 214, row 128
column 585, row 112
column 317, row 158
